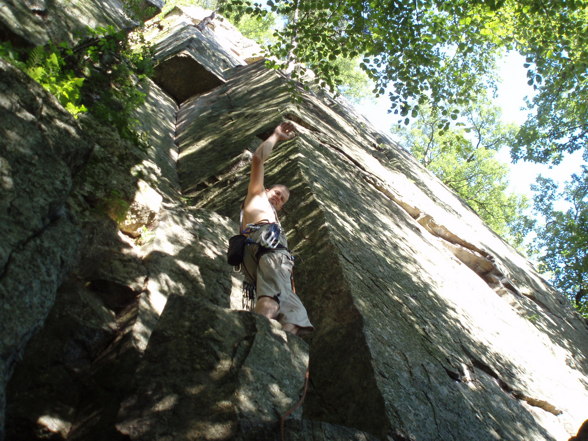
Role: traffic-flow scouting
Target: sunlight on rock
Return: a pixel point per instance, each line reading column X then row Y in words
column 236, row 296
column 195, row 390
column 280, row 397
column 141, row 335
column 146, row 170
column 143, row 211
column 55, row 424
column 211, row 250
column 6, row 181
column 213, row 431
column 156, row 301
column 277, row 330
column 245, row 402
column 167, row 403
column 221, row 368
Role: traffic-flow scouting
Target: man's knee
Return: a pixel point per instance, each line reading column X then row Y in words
column 267, row 307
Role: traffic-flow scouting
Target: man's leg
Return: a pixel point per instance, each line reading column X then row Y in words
column 292, row 329
column 267, row 307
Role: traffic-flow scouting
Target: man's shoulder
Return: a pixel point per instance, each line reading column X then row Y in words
column 256, row 198
column 257, row 208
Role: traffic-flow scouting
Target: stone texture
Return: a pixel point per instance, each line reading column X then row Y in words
column 143, row 211
column 42, row 147
column 111, row 300
column 102, row 322
column 448, row 324
column 157, row 122
column 192, row 61
column 229, row 375
column 37, row 22
column 428, row 326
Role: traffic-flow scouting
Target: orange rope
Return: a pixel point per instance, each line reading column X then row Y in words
column 296, row 406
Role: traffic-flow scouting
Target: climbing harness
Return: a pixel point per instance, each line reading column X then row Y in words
column 270, row 238
column 269, row 241
column 248, row 296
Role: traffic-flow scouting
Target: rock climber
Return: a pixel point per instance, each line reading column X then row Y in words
column 267, row 263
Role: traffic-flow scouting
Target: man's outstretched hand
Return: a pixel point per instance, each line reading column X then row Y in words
column 285, row 131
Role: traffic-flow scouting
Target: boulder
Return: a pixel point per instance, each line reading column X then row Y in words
column 228, row 375
column 193, row 59
column 74, row 374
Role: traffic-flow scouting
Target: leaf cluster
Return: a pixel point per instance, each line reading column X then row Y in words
column 444, row 52
column 555, row 42
column 47, row 66
column 102, row 75
column 137, row 9
column 463, row 157
column 413, row 51
column 561, row 244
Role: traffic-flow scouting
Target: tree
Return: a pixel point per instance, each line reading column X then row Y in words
column 555, row 41
column 439, row 51
column 463, row 157
column 258, row 28
column 421, row 48
column 561, row 245
column 355, row 85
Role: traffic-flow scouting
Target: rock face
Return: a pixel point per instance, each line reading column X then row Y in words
column 192, row 57
column 42, row 148
column 37, row 22
column 122, row 321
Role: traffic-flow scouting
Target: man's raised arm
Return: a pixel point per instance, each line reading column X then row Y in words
column 283, row 132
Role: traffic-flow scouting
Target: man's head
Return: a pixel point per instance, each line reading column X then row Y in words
column 278, row 195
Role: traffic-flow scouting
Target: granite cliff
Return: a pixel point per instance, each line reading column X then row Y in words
column 428, row 325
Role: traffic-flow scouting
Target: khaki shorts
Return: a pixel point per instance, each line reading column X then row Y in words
column 272, row 276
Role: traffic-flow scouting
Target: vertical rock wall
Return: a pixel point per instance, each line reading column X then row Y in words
column 428, row 326
column 448, row 325
column 42, row 148
column 37, row 22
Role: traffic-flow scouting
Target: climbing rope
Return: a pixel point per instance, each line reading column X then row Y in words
column 296, row 406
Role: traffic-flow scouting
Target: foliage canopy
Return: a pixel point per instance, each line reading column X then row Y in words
column 443, row 52
column 101, row 75
column 561, row 244
column 463, row 157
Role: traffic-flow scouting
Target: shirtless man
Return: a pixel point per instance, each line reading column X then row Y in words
column 267, row 263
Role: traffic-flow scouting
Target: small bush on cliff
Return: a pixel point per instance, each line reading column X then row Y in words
column 102, row 75
column 47, row 66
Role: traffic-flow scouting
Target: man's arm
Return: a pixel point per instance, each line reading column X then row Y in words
column 283, row 132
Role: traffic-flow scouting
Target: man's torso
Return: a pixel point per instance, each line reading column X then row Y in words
column 256, row 209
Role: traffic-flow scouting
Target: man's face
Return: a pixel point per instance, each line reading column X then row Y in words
column 278, row 196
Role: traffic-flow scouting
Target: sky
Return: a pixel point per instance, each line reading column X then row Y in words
column 511, row 98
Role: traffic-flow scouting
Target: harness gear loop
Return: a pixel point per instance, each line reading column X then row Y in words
column 248, row 300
